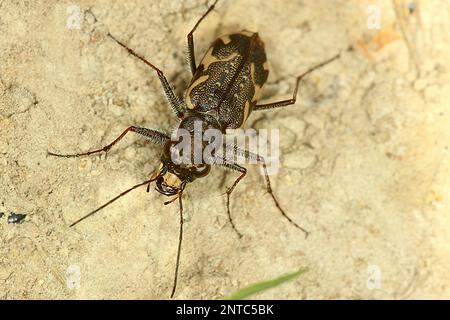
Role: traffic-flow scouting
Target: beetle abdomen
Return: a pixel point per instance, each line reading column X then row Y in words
column 229, row 78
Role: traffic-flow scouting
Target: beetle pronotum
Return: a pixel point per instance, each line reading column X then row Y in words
column 224, row 90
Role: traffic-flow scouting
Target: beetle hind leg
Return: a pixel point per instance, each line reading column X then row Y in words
column 175, row 102
column 190, row 39
column 288, row 102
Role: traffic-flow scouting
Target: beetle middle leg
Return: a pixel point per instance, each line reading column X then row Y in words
column 250, row 155
column 152, row 135
column 243, row 171
column 284, row 103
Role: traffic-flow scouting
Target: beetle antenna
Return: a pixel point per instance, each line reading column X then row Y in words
column 180, row 239
column 171, row 200
column 112, row 200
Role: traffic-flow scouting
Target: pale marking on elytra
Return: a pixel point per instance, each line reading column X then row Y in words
column 246, row 111
column 226, row 39
column 210, row 58
column 157, row 171
column 246, row 33
column 201, row 79
column 257, row 87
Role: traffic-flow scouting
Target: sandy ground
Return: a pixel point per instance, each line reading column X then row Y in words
column 365, row 153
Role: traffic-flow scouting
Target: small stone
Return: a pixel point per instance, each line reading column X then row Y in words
column 16, row 218
column 84, row 164
column 420, row 84
column 300, row 160
column 117, row 111
column 297, row 126
column 314, row 120
column 130, row 153
column 368, row 79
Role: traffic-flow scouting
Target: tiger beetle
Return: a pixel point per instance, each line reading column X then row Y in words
column 224, row 90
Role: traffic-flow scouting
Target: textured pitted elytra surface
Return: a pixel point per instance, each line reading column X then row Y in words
column 229, row 78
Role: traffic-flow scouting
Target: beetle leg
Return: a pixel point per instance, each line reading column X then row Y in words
column 152, row 135
column 175, row 102
column 250, row 155
column 243, row 172
column 275, row 200
column 291, row 101
column 190, row 39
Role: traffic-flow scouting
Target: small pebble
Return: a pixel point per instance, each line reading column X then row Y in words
column 16, row 218
column 2, row 214
column 420, row 84
column 130, row 153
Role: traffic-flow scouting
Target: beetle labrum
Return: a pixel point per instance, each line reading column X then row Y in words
column 224, row 90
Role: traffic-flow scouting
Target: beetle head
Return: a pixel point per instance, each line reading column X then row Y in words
column 171, row 178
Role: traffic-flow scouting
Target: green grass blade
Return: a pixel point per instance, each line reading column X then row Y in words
column 264, row 285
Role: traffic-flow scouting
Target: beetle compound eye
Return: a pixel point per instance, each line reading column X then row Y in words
column 201, row 170
column 168, row 147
